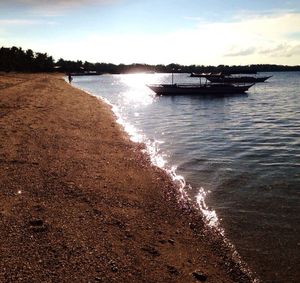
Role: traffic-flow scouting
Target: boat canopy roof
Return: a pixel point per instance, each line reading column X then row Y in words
column 239, row 72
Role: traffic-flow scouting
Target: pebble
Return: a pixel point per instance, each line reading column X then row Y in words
column 199, row 276
column 36, row 222
column 114, row 268
column 39, row 229
column 37, row 225
column 173, row 270
column 151, row 250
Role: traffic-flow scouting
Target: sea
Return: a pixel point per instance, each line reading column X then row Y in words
column 237, row 158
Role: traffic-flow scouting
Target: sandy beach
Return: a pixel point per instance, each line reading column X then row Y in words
column 79, row 202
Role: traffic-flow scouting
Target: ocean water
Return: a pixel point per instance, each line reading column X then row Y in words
column 242, row 152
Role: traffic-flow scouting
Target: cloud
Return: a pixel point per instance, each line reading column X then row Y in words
column 274, row 49
column 282, row 50
column 256, row 38
column 241, row 52
column 260, row 37
column 22, row 22
column 51, row 7
column 295, row 50
column 55, row 3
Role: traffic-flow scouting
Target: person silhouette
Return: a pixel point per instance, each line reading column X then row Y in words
column 70, row 78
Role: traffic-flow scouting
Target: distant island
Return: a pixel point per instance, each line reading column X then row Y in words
column 15, row 59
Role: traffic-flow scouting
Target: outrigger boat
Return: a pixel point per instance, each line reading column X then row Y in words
column 202, row 89
column 238, row 79
column 231, row 77
column 199, row 89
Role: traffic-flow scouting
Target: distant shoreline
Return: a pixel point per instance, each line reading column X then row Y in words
column 132, row 73
column 17, row 59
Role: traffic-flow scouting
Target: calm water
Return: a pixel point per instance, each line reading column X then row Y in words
column 244, row 150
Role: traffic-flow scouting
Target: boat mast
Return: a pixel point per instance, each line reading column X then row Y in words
column 172, row 76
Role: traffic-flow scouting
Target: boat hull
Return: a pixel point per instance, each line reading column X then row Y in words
column 208, row 89
column 85, row 74
column 215, row 79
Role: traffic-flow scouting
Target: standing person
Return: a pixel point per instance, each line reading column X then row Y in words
column 70, row 78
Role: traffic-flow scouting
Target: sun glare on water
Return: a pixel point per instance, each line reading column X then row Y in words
column 138, row 93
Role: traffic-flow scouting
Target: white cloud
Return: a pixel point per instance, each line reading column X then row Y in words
column 22, row 22
column 241, row 52
column 268, row 35
column 255, row 39
column 282, row 50
column 252, row 39
column 275, row 49
column 291, row 51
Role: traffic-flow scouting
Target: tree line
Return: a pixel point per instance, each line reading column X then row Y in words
column 15, row 59
column 18, row 60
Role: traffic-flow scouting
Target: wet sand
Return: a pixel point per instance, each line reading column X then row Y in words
column 79, row 202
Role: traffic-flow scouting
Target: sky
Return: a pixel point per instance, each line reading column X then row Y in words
column 188, row 32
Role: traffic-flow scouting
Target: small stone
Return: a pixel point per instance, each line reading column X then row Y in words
column 128, row 234
column 38, row 229
column 172, row 270
column 97, row 211
column 114, row 268
column 171, row 241
column 151, row 250
column 37, row 225
column 36, row 222
column 199, row 276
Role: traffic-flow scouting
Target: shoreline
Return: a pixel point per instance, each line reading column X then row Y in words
column 80, row 202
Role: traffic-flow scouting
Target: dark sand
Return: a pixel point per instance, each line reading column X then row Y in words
column 80, row 203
